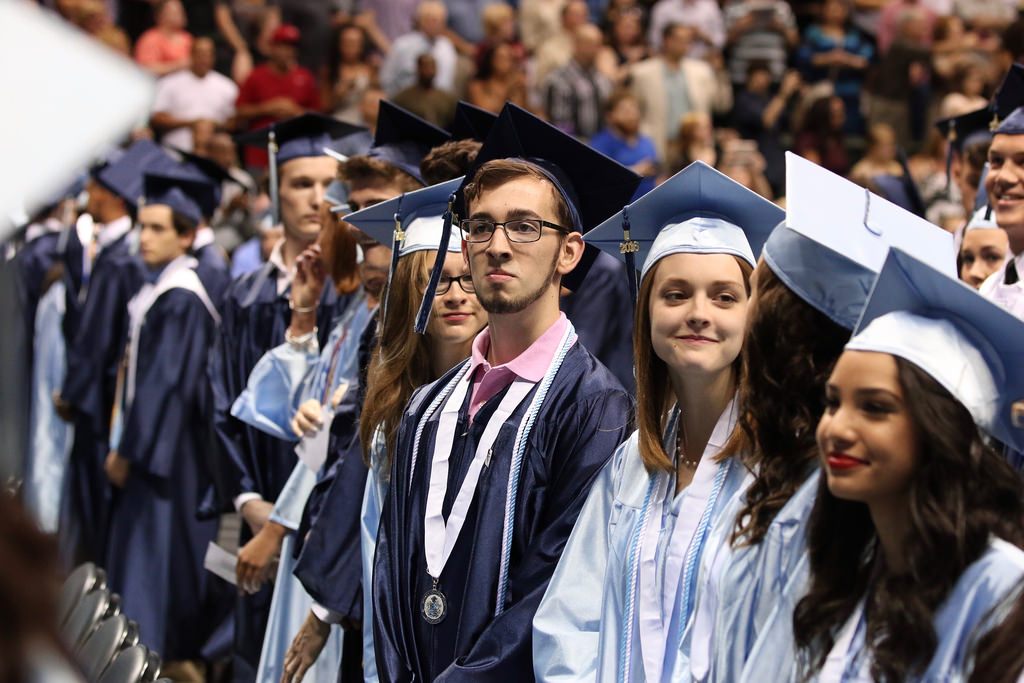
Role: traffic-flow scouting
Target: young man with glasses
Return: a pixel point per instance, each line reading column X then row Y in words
column 494, row 460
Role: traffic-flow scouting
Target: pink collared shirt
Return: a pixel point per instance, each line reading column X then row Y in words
column 530, row 365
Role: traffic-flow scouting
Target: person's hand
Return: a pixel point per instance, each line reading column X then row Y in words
column 791, row 82
column 283, row 108
column 310, row 276
column 307, row 418
column 645, row 168
column 117, row 469
column 257, row 558
column 305, row 648
column 365, row 20
column 256, row 512
column 64, row 409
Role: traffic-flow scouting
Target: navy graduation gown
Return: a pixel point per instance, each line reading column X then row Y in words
column 73, row 258
column 214, row 271
column 34, row 260
column 583, row 419
column 254, row 318
column 155, row 555
column 93, row 360
column 601, row 310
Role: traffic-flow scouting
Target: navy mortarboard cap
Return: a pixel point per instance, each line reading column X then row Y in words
column 402, row 139
column 123, row 175
column 901, row 189
column 472, row 122
column 1007, row 100
column 302, row 136
column 190, row 197
column 968, row 344
column 974, row 125
column 698, row 211
column 965, row 130
column 593, row 185
column 981, row 215
column 411, row 222
column 354, row 144
column 209, row 169
column 336, row 195
column 836, row 236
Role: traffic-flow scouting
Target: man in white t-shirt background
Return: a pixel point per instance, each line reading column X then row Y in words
column 197, row 100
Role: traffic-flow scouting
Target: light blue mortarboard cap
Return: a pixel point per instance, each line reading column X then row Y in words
column 336, row 195
column 836, row 236
column 419, row 215
column 698, row 210
column 968, row 344
column 412, row 221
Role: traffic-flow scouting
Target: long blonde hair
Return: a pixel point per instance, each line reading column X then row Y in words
column 401, row 361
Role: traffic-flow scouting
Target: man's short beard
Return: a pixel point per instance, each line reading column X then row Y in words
column 495, row 304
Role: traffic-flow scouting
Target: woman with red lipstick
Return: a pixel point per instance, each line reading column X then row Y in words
column 816, row 271
column 914, row 534
column 639, row 538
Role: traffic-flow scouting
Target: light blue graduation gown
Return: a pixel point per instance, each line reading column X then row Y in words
column 291, row 603
column 742, row 587
column 49, row 435
column 282, row 380
column 637, row 623
column 369, row 519
column 979, row 589
column 287, row 376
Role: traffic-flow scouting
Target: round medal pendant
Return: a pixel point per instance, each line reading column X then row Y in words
column 435, row 606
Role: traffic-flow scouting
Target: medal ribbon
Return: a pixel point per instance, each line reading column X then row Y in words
column 439, row 538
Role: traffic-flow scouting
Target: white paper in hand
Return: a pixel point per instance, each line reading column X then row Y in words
column 220, row 562
column 312, row 449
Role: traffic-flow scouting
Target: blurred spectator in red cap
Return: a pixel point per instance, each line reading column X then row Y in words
column 165, row 48
column 277, row 90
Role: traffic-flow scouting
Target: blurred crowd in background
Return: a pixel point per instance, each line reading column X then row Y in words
column 655, row 85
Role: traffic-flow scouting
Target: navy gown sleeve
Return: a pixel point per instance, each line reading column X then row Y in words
column 34, row 261
column 585, row 439
column 168, row 389
column 329, row 565
column 72, row 258
column 213, row 271
column 227, row 464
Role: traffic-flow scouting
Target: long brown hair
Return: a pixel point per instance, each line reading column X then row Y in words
column 401, row 361
column 960, row 493
column 338, row 252
column 788, row 353
column 653, row 389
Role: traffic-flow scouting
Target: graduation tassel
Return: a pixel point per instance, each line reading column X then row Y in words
column 628, row 248
column 275, row 209
column 423, row 316
column 397, row 238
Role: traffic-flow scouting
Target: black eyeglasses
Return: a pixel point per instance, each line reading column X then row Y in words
column 519, row 230
column 445, row 283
